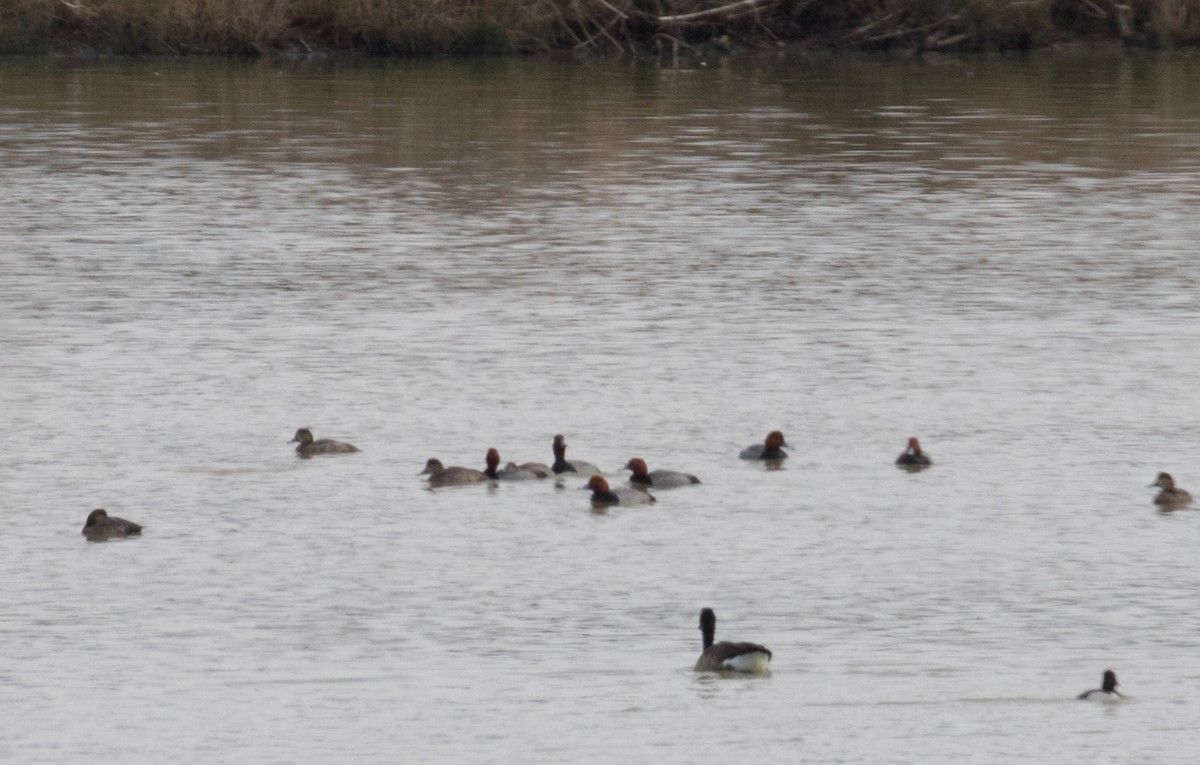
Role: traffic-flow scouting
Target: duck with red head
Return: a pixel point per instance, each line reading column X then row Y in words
column 308, row 447
column 510, row 473
column 1171, row 497
column 913, row 457
column 770, row 449
column 440, row 475
column 659, row 479
column 728, row 657
column 602, row 494
column 99, row 526
column 574, row 466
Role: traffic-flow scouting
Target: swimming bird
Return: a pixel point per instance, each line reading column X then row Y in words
column 439, row 475
column 574, row 466
column 1107, row 691
column 99, row 526
column 540, row 469
column 723, row 656
column 309, row 447
column 510, row 473
column 1170, row 497
column 659, row 479
column 769, row 449
column 603, row 495
column 913, row 456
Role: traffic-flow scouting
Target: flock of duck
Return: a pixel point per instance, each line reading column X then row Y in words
column 716, row 657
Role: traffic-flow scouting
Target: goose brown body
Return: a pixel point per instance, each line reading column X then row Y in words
column 725, row 656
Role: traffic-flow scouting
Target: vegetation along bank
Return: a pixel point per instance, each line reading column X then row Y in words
column 606, row 27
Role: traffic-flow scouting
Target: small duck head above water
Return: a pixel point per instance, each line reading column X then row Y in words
column 493, row 463
column 640, row 471
column 433, row 466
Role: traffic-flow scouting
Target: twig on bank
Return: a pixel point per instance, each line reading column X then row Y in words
column 724, row 10
column 869, row 26
column 677, row 42
column 614, row 9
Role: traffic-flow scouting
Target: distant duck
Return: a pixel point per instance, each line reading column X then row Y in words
column 725, row 657
column 913, row 456
column 99, row 526
column 510, row 473
column 540, row 469
column 659, row 479
column 1170, row 497
column 1107, row 692
column 439, row 475
column 574, row 466
column 603, row 495
column 308, row 447
column 769, row 449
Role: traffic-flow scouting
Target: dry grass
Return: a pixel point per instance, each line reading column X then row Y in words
column 398, row 27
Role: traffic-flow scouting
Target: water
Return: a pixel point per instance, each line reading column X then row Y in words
column 431, row 258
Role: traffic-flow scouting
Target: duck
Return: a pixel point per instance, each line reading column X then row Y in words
column 913, row 456
column 575, row 466
column 100, row 526
column 540, row 469
column 603, row 495
column 439, row 475
column 770, row 449
column 728, row 657
column 1170, row 497
column 659, row 479
column 309, row 447
column 1107, row 691
column 510, row 472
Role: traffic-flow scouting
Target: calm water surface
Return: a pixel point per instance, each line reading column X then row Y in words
column 428, row 259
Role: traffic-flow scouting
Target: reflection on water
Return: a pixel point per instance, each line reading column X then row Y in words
column 431, row 259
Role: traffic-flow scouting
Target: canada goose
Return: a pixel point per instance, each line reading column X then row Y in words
column 1106, row 693
column 723, row 656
